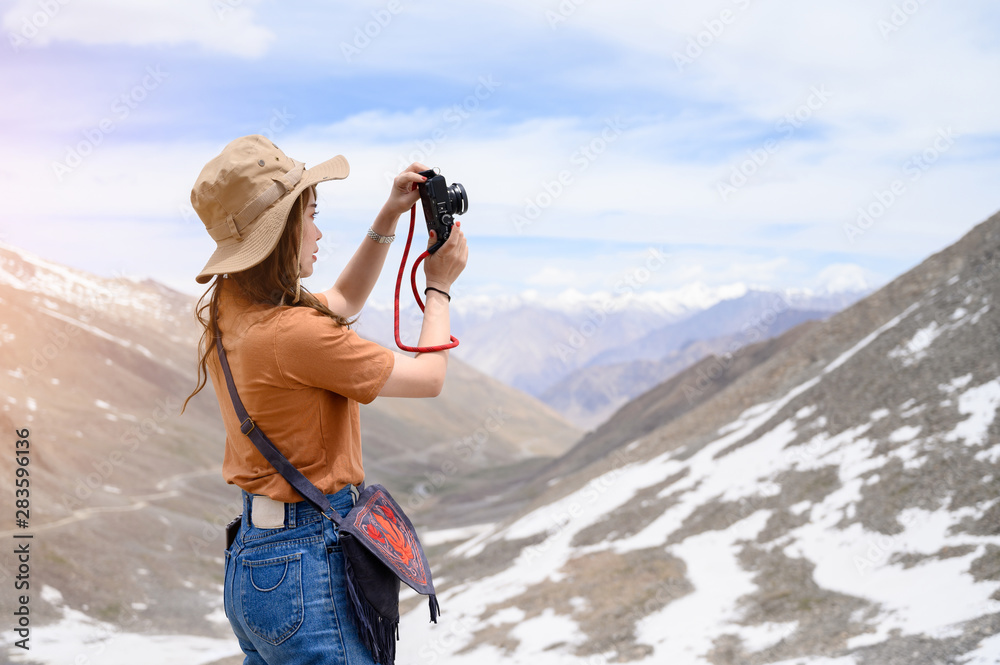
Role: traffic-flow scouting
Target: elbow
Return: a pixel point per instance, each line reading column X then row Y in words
column 435, row 385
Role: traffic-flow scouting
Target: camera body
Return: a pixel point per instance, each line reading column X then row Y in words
column 441, row 202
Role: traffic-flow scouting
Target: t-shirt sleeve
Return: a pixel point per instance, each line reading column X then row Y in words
column 312, row 350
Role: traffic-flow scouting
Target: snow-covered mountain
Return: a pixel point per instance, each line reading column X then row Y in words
column 835, row 503
column 538, row 345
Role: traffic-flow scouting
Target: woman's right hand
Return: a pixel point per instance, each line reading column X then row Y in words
column 444, row 266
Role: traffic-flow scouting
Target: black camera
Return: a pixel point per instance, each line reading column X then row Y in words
column 441, row 203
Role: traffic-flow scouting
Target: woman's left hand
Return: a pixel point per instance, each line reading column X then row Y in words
column 404, row 194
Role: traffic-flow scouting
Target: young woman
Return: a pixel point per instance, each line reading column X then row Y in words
column 301, row 373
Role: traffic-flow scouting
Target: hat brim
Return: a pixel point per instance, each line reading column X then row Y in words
column 263, row 237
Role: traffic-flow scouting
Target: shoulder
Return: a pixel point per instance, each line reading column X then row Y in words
column 299, row 321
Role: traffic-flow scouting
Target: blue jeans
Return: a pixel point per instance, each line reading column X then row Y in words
column 285, row 594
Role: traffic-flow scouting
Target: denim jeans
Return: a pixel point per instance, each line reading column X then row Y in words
column 285, row 594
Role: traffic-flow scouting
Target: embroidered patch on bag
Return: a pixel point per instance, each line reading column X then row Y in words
column 392, row 536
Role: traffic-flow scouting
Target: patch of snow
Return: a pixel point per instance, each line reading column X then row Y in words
column 987, row 653
column 955, row 384
column 78, row 638
column 729, row 477
column 909, row 454
column 506, row 615
column 684, row 630
column 730, row 427
column 218, row 616
column 991, row 455
column 51, row 595
column 927, row 597
column 847, row 447
column 916, row 349
column 767, row 488
column 547, row 632
column 800, row 507
column 97, row 332
column 432, row 538
column 102, row 404
column 765, row 635
column 959, row 313
column 980, row 404
column 903, row 434
column 978, row 315
column 805, row 412
column 879, row 414
column 891, row 323
column 31, row 403
column 593, row 499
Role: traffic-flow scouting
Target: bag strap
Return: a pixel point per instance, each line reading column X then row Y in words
column 299, row 482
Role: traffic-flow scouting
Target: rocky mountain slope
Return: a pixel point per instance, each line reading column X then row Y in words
column 836, row 503
column 127, row 499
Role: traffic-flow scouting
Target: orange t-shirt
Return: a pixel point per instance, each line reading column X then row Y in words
column 300, row 377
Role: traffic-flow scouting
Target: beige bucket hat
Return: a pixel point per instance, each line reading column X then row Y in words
column 244, row 195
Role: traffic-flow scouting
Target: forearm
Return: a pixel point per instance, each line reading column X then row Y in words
column 423, row 375
column 361, row 273
column 435, row 331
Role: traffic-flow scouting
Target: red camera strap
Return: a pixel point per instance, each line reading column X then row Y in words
column 416, row 294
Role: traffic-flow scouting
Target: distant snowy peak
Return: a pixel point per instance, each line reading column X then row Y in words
column 675, row 303
column 671, row 304
column 691, row 298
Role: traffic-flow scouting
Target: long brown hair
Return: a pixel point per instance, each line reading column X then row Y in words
column 274, row 281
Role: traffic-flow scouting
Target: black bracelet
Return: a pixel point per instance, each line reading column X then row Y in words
column 444, row 293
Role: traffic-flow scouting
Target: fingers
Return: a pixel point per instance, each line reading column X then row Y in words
column 408, row 180
column 456, row 246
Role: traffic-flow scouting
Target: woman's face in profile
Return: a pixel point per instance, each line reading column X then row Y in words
column 310, row 236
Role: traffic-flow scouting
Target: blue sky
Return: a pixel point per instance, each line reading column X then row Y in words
column 738, row 137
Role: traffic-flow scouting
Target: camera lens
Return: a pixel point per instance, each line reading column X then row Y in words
column 458, row 199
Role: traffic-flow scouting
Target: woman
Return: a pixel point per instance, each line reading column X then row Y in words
column 301, row 373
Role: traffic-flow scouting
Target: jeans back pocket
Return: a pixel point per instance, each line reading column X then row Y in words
column 272, row 597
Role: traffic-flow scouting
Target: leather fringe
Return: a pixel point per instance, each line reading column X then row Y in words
column 377, row 634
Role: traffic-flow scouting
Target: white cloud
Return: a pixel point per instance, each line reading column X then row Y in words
column 226, row 26
column 656, row 182
column 845, row 277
